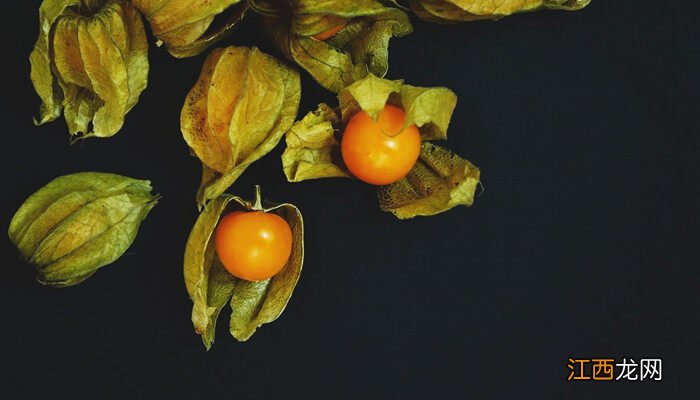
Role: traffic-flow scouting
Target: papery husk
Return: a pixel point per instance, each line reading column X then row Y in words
column 359, row 48
column 439, row 181
column 210, row 286
column 91, row 67
column 185, row 26
column 453, row 11
column 79, row 223
column 239, row 109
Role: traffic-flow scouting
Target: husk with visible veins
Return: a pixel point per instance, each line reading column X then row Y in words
column 92, row 68
column 79, row 223
column 439, row 181
column 184, row 26
column 452, row 11
column 210, row 286
column 361, row 47
column 239, row 109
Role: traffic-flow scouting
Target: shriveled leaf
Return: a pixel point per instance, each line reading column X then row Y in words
column 439, row 181
column 210, row 286
column 256, row 303
column 312, row 148
column 97, row 65
column 451, row 11
column 236, row 113
column 359, row 48
column 430, row 109
column 79, row 223
column 183, row 25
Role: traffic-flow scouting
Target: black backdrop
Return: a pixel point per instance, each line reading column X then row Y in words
column 582, row 244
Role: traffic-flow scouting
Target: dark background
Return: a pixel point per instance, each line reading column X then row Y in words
column 583, row 243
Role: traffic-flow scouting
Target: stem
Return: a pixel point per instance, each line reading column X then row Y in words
column 257, row 206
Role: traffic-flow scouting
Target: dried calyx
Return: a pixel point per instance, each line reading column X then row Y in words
column 188, row 27
column 79, row 223
column 210, row 286
column 239, row 109
column 452, row 11
column 439, row 181
column 90, row 63
column 337, row 42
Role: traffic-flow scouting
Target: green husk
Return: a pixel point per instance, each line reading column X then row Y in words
column 452, row 11
column 313, row 146
column 79, row 223
column 91, row 67
column 359, row 48
column 241, row 106
column 210, row 286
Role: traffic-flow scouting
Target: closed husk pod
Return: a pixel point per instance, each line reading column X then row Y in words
column 239, row 109
column 79, row 223
column 210, row 286
column 90, row 62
